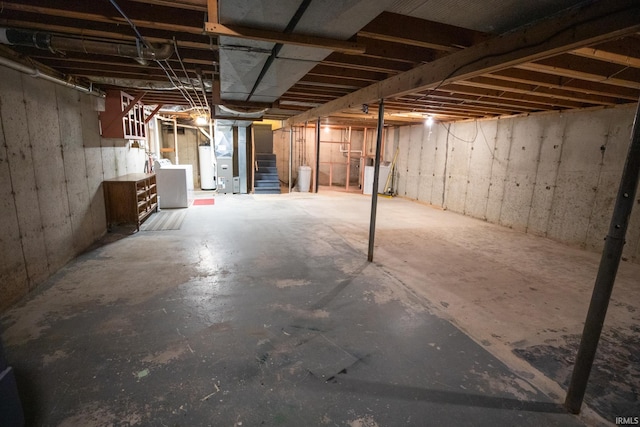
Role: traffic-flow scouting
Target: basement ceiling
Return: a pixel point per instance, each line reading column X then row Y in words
column 298, row 60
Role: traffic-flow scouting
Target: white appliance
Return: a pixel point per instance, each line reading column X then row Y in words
column 207, row 168
column 175, row 184
column 369, row 172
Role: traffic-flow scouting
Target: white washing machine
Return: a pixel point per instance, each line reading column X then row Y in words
column 175, row 184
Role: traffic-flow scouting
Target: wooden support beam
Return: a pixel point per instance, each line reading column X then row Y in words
column 117, row 119
column 538, row 92
column 215, row 92
column 412, row 31
column 565, row 83
column 212, row 10
column 572, row 29
column 87, row 32
column 153, row 113
column 94, row 17
column 283, row 38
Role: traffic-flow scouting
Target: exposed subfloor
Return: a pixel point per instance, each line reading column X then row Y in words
column 262, row 310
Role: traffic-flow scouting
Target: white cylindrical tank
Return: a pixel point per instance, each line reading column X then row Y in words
column 207, row 169
column 304, row 179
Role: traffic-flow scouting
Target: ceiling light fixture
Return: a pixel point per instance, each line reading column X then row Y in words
column 429, row 121
column 202, row 120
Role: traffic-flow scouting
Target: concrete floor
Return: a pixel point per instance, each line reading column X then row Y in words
column 262, row 310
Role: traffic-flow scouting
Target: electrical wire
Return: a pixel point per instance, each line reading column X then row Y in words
column 471, row 141
column 184, row 70
column 175, row 80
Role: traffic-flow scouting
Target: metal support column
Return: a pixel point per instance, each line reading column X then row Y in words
column 317, row 154
column 175, row 139
column 611, row 255
column 290, row 155
column 376, row 177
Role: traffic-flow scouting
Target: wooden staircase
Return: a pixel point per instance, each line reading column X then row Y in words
column 266, row 179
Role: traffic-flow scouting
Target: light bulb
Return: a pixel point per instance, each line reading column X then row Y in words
column 201, row 120
column 429, row 121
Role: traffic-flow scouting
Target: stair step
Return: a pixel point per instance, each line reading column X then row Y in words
column 273, row 170
column 266, row 191
column 266, row 180
column 267, row 163
column 267, row 175
column 267, row 184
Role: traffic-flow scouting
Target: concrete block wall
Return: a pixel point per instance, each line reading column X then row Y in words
column 52, row 164
column 553, row 175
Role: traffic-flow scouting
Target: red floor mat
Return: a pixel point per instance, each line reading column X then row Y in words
column 203, row 202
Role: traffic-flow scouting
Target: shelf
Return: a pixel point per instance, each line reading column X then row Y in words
column 130, row 199
column 115, row 123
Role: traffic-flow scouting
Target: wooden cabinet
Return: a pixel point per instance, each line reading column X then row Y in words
column 130, row 199
column 123, row 117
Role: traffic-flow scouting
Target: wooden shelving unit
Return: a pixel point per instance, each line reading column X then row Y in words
column 123, row 117
column 130, row 199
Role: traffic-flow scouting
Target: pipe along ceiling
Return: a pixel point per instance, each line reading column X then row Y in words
column 55, row 43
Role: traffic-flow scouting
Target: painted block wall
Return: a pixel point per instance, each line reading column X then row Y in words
column 553, row 175
column 52, row 164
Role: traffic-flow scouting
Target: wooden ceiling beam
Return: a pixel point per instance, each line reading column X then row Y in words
column 106, row 35
column 505, row 97
column 610, row 57
column 589, row 74
column 214, row 27
column 461, row 99
column 283, row 38
column 564, row 83
column 407, row 30
column 339, row 72
column 195, row 5
column 574, row 28
column 377, row 65
column 537, row 91
column 93, row 17
column 398, row 52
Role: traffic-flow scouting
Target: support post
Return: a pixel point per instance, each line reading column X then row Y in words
column 611, row 255
column 175, row 139
column 317, row 174
column 376, row 177
column 290, row 155
column 348, row 159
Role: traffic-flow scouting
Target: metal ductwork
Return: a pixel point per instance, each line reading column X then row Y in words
column 55, row 43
